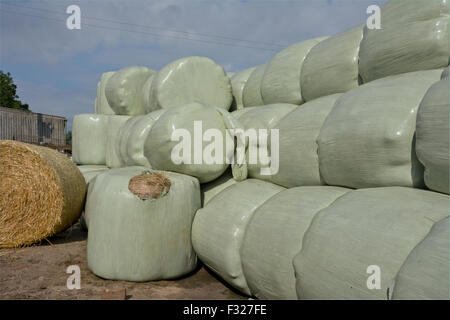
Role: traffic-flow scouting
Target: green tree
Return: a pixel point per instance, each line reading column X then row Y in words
column 69, row 138
column 8, row 96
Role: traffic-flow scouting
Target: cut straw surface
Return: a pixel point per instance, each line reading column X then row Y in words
column 42, row 193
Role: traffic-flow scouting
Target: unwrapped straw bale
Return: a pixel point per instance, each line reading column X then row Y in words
column 42, row 193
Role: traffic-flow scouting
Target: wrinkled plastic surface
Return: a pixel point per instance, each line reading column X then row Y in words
column 124, row 90
column 135, row 240
column 89, row 137
column 146, row 93
column 218, row 228
column 366, row 227
column 414, row 36
column 368, row 138
column 274, row 236
column 251, row 96
column 89, row 172
column 210, row 189
column 159, row 146
column 115, row 124
column 191, row 79
column 123, row 140
column 298, row 132
column 281, row 80
column 238, row 81
column 445, row 73
column 101, row 103
column 425, row 273
column 132, row 148
column 264, row 117
column 432, row 143
column 332, row 65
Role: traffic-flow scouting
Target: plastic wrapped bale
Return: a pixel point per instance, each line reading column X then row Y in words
column 42, row 193
column 332, row 65
column 123, row 138
column 238, row 81
column 113, row 158
column 89, row 172
column 172, row 143
column 140, row 224
column 133, row 146
column 368, row 138
column 274, row 236
column 445, row 73
column 101, row 103
column 191, row 79
column 362, row 237
column 432, row 144
column 124, row 90
column 210, row 189
column 281, row 80
column 218, row 229
column 251, row 95
column 414, row 36
column 89, row 139
column 298, row 132
column 425, row 273
column 146, row 93
column 256, row 118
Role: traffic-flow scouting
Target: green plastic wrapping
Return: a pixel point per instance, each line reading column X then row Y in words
column 332, row 65
column 133, row 146
column 191, row 79
column 281, row 79
column 218, row 229
column 89, row 137
column 124, row 90
column 425, row 273
column 264, row 117
column 101, row 103
column 123, row 140
column 159, row 146
column 238, row 81
column 146, row 93
column 210, row 189
column 445, row 73
column 115, row 124
column 274, row 236
column 89, row 172
column 414, row 36
column 251, row 95
column 368, row 138
column 365, row 235
column 432, row 143
column 140, row 240
column 298, row 132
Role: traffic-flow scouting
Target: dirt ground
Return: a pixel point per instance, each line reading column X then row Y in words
column 39, row 272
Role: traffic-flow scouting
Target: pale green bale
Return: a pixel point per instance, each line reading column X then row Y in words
column 89, row 139
column 368, row 138
column 140, row 240
column 124, row 90
column 114, row 127
column 238, row 81
column 184, row 117
column 274, row 236
column 362, row 231
column 425, row 273
column 89, row 172
column 218, row 229
column 332, row 65
column 414, row 36
column 251, row 96
column 124, row 134
column 191, row 79
column 298, row 132
column 432, row 143
column 101, row 103
column 281, row 79
column 211, row 189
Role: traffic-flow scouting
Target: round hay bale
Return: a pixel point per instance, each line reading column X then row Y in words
column 42, row 193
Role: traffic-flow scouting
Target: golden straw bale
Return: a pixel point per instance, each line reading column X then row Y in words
column 42, row 193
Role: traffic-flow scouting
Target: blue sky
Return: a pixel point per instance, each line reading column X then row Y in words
column 57, row 70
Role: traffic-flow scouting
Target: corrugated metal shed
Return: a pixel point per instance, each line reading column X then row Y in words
column 32, row 127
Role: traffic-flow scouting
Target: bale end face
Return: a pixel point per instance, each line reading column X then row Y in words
column 42, row 193
column 149, row 185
